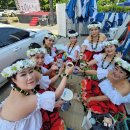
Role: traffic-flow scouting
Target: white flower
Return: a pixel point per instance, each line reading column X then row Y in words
column 94, row 25
column 122, row 63
column 32, row 52
column 17, row 67
column 113, row 42
column 73, row 35
column 50, row 36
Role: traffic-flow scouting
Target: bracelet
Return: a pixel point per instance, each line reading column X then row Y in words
column 66, row 75
column 59, row 75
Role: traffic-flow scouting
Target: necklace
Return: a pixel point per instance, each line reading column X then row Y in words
column 48, row 50
column 23, row 91
column 109, row 62
column 96, row 43
column 38, row 69
column 69, row 52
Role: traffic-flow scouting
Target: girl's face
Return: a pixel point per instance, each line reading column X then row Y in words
column 94, row 31
column 110, row 49
column 73, row 39
column 39, row 59
column 118, row 73
column 49, row 42
column 25, row 79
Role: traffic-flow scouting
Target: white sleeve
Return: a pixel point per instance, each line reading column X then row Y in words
column 98, row 57
column 113, row 94
column 86, row 42
column 101, row 73
column 77, row 48
column 44, row 82
column 46, row 101
column 127, row 98
column 65, row 48
column 53, row 53
column 44, row 70
column 48, row 59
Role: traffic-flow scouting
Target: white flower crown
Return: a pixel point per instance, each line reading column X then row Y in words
column 32, row 52
column 124, row 64
column 113, row 42
column 52, row 37
column 17, row 67
column 94, row 25
column 73, row 34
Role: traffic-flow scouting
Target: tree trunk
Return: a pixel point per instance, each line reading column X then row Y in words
column 51, row 18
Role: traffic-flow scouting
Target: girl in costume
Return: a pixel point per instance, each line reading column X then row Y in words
column 93, row 43
column 37, row 54
column 72, row 49
column 113, row 90
column 105, row 60
column 51, row 120
column 48, row 45
column 21, row 109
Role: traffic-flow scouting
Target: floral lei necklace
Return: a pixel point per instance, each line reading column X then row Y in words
column 96, row 43
column 69, row 52
column 109, row 62
column 23, row 91
column 38, row 69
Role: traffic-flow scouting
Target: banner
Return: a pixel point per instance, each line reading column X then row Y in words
column 28, row 5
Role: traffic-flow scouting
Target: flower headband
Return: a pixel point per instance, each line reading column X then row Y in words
column 94, row 25
column 124, row 64
column 73, row 34
column 32, row 52
column 50, row 36
column 17, row 67
column 113, row 42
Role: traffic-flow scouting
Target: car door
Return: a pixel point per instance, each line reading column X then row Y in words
column 7, row 51
column 22, row 45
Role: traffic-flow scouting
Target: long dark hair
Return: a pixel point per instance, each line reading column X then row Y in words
column 34, row 45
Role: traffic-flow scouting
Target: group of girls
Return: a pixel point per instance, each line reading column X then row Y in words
column 33, row 100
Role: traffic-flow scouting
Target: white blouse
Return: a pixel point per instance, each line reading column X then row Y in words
column 48, row 59
column 44, row 80
column 99, row 48
column 99, row 59
column 108, row 90
column 34, row 120
column 71, row 52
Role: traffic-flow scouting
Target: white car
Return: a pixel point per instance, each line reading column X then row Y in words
column 14, row 43
column 8, row 12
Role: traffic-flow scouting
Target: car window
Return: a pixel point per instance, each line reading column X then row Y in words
column 10, row 35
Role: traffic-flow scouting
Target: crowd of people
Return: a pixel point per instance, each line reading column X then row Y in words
column 33, row 102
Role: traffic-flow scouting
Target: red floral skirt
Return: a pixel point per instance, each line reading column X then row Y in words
column 88, row 56
column 59, row 56
column 90, row 89
column 51, row 120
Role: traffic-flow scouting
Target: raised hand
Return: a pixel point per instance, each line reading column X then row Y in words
column 54, row 67
column 69, row 68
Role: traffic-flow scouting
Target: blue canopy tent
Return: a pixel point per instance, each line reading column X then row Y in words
column 126, row 3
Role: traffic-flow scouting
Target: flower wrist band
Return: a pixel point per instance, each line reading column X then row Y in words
column 66, row 75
